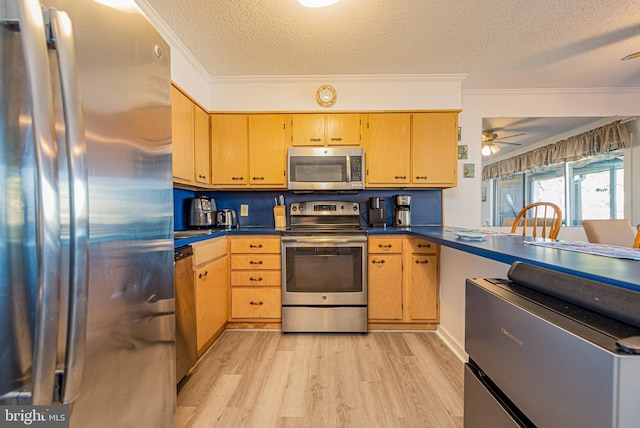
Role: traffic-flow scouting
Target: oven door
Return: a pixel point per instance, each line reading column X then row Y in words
column 324, row 270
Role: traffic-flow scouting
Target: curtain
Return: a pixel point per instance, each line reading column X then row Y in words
column 596, row 141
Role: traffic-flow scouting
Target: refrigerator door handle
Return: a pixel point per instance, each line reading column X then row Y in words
column 47, row 221
column 63, row 40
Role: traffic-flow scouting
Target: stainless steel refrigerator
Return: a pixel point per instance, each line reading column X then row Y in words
column 86, row 216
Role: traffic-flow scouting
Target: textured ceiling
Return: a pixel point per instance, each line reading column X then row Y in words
column 500, row 44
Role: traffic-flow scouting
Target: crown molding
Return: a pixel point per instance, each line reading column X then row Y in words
column 361, row 78
column 547, row 91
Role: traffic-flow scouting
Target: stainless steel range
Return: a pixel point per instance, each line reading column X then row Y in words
column 549, row 349
column 324, row 269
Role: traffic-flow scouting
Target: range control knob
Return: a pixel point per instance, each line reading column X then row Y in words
column 294, row 208
column 301, row 207
column 342, row 207
column 355, row 207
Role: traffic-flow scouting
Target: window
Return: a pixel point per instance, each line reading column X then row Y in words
column 594, row 190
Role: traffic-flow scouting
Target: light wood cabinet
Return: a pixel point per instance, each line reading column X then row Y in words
column 268, row 150
column 182, row 137
column 211, row 279
column 339, row 129
column 255, row 278
column 229, row 150
column 403, row 282
column 434, row 145
column 388, row 149
column 190, row 141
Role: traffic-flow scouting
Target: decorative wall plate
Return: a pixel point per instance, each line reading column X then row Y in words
column 326, row 96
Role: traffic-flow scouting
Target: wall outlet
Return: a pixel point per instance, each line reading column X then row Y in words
column 244, row 210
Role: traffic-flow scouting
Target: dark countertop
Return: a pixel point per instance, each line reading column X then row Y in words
column 503, row 248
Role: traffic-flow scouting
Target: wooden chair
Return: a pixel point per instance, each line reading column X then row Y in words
column 539, row 219
column 636, row 242
column 609, row 232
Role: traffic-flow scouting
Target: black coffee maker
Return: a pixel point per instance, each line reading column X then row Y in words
column 377, row 216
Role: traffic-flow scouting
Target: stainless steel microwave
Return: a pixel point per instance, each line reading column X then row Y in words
column 326, row 168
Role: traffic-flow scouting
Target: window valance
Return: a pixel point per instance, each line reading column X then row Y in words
column 596, row 141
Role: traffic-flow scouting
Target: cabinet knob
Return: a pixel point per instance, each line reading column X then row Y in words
column 202, row 275
column 421, row 177
column 400, row 177
column 255, row 279
column 256, row 303
column 377, row 262
column 422, row 262
column 255, row 246
column 257, row 178
column 251, row 262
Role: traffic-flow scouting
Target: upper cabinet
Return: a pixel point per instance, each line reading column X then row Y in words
column 388, row 149
column 411, row 149
column 190, row 141
column 434, row 147
column 339, row 129
column 249, row 150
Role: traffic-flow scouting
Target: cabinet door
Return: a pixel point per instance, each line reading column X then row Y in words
column 423, row 303
column 388, row 149
column 267, row 150
column 212, row 299
column 202, row 157
column 434, row 161
column 229, row 150
column 343, row 129
column 385, row 287
column 182, row 136
column 307, row 130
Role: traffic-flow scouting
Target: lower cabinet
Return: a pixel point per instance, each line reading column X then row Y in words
column 403, row 282
column 255, row 279
column 211, row 279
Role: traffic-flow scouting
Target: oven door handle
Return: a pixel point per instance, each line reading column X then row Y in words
column 327, row 241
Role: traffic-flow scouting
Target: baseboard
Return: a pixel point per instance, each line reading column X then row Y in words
column 453, row 345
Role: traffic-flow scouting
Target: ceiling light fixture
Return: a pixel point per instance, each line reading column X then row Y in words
column 489, row 149
column 631, row 56
column 317, row 3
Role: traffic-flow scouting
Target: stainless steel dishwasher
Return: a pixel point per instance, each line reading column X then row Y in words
column 186, row 345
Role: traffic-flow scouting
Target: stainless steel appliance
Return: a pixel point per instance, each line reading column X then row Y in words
column 324, row 269
column 377, row 214
column 402, row 210
column 325, row 168
column 549, row 349
column 202, row 212
column 86, row 273
column 186, row 340
column 227, row 218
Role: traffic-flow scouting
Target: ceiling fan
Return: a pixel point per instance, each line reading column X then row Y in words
column 490, row 142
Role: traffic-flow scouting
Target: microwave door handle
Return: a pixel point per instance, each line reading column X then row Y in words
column 47, row 219
column 63, row 38
column 348, row 168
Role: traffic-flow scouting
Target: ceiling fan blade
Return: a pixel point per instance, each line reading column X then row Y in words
column 511, row 136
column 506, row 142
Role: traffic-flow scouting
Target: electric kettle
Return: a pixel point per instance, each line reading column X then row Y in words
column 226, row 218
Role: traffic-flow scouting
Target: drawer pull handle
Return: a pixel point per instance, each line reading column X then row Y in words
column 422, row 262
column 336, row 139
column 202, row 275
column 424, row 245
column 202, row 176
column 385, row 246
column 255, row 246
column 259, row 262
column 257, row 178
column 237, row 178
column 377, row 262
column 400, row 177
column 314, row 140
column 256, row 304
column 255, row 279
column 421, row 177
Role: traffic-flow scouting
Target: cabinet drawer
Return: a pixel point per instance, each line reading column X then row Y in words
column 255, row 278
column 255, row 261
column 255, row 245
column 385, row 245
column 255, row 303
column 421, row 246
column 208, row 250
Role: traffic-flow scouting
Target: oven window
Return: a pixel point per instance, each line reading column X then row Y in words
column 318, row 169
column 324, row 270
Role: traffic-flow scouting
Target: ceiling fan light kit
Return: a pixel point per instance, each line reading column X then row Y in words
column 317, row 3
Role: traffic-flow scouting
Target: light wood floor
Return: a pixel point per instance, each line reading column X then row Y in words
column 269, row 379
